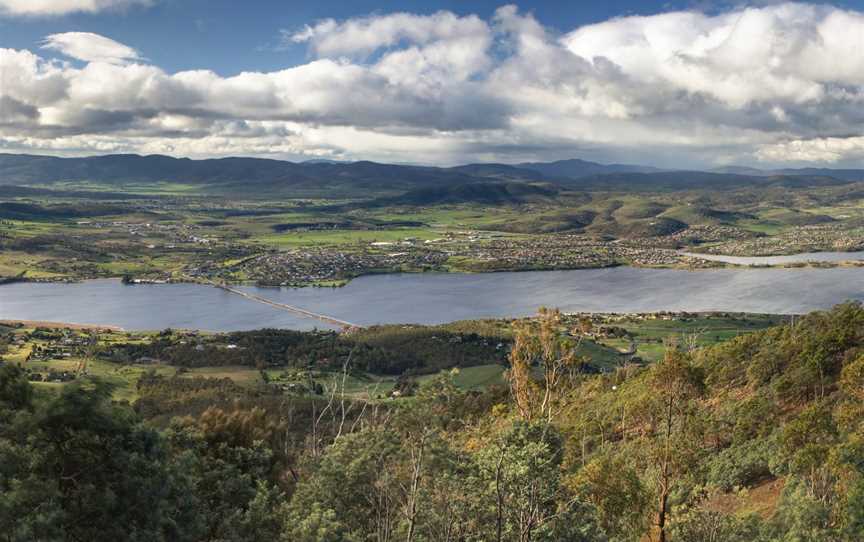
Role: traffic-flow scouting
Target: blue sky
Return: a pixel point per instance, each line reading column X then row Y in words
column 679, row 83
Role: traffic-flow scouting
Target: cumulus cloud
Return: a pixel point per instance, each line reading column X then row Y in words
column 367, row 34
column 39, row 8
column 789, row 52
column 90, row 47
column 779, row 83
column 825, row 149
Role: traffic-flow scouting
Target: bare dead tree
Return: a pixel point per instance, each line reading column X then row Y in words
column 540, row 344
column 690, row 341
column 412, row 491
column 499, row 495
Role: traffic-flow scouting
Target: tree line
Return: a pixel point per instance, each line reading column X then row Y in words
column 675, row 451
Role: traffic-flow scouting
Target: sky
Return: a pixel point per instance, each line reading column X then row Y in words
column 671, row 84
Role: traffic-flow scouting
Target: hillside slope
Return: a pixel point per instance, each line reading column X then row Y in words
column 370, row 179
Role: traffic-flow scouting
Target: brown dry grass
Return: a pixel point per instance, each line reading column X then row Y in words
column 760, row 499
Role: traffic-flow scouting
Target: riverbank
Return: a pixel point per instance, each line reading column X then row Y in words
column 691, row 261
column 688, row 261
column 59, row 325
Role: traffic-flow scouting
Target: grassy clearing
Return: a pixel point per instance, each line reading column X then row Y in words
column 345, row 237
column 15, row 262
column 245, row 376
column 600, row 354
column 365, row 386
column 767, row 228
column 481, row 376
column 650, row 335
column 447, row 216
column 123, row 378
column 161, row 188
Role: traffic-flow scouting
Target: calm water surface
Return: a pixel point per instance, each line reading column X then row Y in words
column 805, row 257
column 436, row 298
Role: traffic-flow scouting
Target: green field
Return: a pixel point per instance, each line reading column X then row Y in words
column 651, row 335
column 183, row 232
column 345, row 237
column 605, row 354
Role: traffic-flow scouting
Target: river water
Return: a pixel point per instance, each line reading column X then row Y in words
column 806, row 257
column 435, row 298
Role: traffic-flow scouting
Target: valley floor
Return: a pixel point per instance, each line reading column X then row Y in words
column 189, row 237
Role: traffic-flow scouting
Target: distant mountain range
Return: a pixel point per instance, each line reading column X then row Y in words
column 408, row 183
column 843, row 174
column 575, row 168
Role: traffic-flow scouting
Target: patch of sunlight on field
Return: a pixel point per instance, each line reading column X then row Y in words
column 471, row 378
column 155, row 188
column 244, row 376
column 345, row 237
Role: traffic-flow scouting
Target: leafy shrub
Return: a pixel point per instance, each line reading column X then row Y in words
column 741, row 465
column 710, row 526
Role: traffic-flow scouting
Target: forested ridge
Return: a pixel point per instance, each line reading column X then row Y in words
column 758, row 438
column 387, row 350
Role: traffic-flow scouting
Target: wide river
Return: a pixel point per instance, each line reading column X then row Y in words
column 806, row 257
column 435, row 298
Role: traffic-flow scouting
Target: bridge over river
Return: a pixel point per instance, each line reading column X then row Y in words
column 433, row 298
column 345, row 325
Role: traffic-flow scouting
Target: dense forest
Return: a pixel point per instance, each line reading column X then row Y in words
column 384, row 349
column 758, row 438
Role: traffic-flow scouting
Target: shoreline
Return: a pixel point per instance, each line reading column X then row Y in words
column 713, row 263
column 645, row 315
column 58, row 325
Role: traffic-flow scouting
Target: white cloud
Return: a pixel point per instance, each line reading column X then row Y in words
column 777, row 83
column 827, row 149
column 90, row 47
column 40, row 8
column 737, row 58
column 366, row 34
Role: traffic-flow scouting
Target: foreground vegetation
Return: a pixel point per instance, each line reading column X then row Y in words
column 379, row 360
column 758, row 437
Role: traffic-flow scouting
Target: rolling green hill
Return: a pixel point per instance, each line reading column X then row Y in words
column 258, row 176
